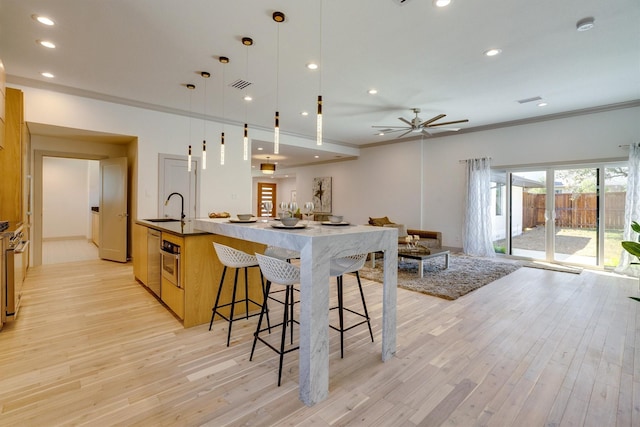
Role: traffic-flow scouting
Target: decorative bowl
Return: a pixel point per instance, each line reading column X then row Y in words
column 244, row 217
column 335, row 219
column 289, row 222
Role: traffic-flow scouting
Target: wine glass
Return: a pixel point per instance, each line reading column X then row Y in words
column 268, row 207
column 283, row 208
column 293, row 208
column 308, row 209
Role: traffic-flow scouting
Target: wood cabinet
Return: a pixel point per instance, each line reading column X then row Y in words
column 2, row 103
column 95, row 228
column 11, row 159
column 139, row 246
column 200, row 272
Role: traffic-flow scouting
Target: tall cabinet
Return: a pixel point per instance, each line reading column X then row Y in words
column 12, row 159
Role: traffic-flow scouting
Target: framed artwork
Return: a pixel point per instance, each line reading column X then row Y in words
column 322, row 194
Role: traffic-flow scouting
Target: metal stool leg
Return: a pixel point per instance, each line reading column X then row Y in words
column 233, row 306
column 215, row 305
column 364, row 306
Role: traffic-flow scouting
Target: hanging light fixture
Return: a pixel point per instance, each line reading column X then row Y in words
column 223, row 60
column 191, row 87
column 247, row 41
column 205, row 75
column 319, row 116
column 268, row 168
column 278, row 17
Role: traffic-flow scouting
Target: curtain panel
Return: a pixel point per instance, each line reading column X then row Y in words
column 631, row 209
column 476, row 236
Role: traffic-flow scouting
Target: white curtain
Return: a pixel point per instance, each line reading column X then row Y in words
column 632, row 207
column 476, row 236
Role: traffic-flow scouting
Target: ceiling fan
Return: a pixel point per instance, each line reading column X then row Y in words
column 418, row 126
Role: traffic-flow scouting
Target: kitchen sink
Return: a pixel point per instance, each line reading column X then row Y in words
column 161, row 220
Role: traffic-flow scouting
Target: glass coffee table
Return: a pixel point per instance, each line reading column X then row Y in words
column 421, row 255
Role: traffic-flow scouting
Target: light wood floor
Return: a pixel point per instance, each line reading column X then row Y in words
column 68, row 250
column 536, row 348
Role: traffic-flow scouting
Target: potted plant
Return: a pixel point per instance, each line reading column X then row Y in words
column 633, row 247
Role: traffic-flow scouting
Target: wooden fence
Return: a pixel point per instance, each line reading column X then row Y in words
column 575, row 210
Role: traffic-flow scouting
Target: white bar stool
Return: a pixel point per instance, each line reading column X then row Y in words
column 282, row 273
column 338, row 267
column 233, row 258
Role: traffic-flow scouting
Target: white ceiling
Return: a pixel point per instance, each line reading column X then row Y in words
column 144, row 52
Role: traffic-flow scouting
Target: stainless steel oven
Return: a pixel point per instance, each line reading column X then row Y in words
column 170, row 262
column 14, row 259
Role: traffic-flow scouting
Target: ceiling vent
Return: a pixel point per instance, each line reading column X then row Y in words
column 240, row 84
column 524, row 101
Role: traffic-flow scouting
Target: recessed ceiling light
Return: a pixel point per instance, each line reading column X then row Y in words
column 304, row 113
column 259, row 148
column 316, row 157
column 542, row 104
column 585, row 24
column 312, row 66
column 493, row 52
column 43, row 20
column 47, row 75
column 373, row 91
column 248, row 98
column 47, row 43
column 441, row 3
column 381, row 133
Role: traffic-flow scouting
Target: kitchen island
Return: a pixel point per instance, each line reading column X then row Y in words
column 199, row 269
column 317, row 244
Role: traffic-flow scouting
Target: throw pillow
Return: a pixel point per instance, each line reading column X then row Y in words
column 379, row 222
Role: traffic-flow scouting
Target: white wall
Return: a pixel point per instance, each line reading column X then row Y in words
column 66, row 208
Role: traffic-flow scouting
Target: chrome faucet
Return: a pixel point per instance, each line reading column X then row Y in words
column 181, row 204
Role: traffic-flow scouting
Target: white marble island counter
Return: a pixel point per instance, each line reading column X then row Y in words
column 317, row 244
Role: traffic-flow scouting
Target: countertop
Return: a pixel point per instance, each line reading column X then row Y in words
column 186, row 228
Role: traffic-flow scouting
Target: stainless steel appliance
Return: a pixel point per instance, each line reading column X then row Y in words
column 170, row 262
column 153, row 261
column 15, row 262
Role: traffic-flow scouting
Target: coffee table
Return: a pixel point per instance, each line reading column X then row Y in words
column 422, row 255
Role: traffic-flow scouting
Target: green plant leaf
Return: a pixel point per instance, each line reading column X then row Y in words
column 635, row 227
column 632, row 247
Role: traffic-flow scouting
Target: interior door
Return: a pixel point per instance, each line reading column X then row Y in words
column 113, row 209
column 175, row 178
column 266, row 193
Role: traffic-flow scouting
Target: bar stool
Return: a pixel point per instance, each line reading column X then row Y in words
column 233, row 258
column 286, row 274
column 338, row 267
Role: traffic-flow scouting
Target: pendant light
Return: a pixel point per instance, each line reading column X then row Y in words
column 191, row 87
column 223, row 60
column 205, row 75
column 319, row 116
column 278, row 17
column 247, row 41
column 268, row 168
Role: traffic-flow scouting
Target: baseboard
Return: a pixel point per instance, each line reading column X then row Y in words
column 53, row 239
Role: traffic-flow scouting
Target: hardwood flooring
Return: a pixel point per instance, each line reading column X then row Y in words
column 68, row 250
column 536, row 348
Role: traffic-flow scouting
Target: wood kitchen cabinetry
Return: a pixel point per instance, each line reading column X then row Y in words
column 200, row 272
column 11, row 159
column 95, row 228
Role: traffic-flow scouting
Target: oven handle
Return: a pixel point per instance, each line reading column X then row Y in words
column 21, row 247
column 170, row 254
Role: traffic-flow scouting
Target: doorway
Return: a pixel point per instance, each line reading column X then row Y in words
column 266, row 193
column 564, row 214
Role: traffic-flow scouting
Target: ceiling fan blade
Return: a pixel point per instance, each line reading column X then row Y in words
column 390, row 127
column 449, row 123
column 425, row 133
column 433, row 119
column 405, row 121
column 409, row 131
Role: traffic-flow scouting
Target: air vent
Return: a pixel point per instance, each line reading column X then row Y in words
column 535, row 98
column 240, row 84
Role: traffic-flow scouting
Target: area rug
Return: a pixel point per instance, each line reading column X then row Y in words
column 465, row 274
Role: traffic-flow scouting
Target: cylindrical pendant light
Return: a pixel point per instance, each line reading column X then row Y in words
column 191, row 87
column 223, row 60
column 245, row 142
column 222, row 148
column 246, row 41
column 189, row 160
column 278, row 17
column 319, row 113
column 205, row 75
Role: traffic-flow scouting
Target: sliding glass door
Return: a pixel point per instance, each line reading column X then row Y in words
column 572, row 215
